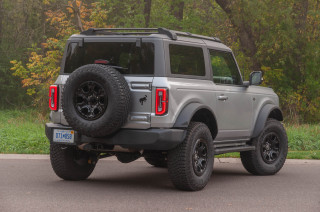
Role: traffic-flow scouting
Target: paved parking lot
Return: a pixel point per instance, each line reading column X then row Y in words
column 31, row 185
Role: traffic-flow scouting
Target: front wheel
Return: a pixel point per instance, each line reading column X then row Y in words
column 271, row 150
column 71, row 163
column 190, row 164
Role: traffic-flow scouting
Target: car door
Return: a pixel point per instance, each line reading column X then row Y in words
column 234, row 104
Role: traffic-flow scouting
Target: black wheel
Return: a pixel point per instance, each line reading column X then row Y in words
column 271, row 150
column 156, row 159
column 70, row 163
column 96, row 100
column 190, row 164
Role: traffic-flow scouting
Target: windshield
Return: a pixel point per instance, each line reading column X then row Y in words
column 129, row 58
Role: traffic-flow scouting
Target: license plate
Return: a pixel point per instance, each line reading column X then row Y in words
column 63, row 136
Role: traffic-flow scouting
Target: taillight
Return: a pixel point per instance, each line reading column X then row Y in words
column 53, row 97
column 161, row 101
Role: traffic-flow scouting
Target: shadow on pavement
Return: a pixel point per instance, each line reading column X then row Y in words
column 147, row 178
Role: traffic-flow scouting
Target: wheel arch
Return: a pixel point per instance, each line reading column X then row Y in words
column 267, row 111
column 200, row 113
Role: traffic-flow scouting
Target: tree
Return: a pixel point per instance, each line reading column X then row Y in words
column 43, row 64
column 176, row 9
column 282, row 38
column 75, row 6
column 147, row 11
column 245, row 32
column 1, row 19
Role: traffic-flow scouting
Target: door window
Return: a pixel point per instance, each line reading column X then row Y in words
column 224, row 68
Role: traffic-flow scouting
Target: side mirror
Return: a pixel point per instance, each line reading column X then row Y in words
column 256, row 78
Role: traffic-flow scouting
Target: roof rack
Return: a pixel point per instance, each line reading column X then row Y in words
column 172, row 34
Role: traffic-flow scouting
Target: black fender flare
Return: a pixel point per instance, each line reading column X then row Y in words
column 265, row 112
column 187, row 113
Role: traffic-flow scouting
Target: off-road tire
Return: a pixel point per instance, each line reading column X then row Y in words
column 70, row 163
column 156, row 159
column 253, row 160
column 180, row 159
column 117, row 95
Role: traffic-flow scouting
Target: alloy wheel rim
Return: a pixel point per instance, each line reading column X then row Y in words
column 90, row 100
column 200, row 157
column 270, row 148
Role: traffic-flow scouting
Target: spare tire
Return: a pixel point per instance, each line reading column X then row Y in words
column 96, row 100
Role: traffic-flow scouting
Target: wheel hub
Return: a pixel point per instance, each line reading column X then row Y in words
column 90, row 100
column 270, row 148
column 200, row 157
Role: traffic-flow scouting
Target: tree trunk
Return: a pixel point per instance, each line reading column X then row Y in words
column 245, row 34
column 1, row 20
column 300, row 10
column 176, row 9
column 299, row 13
column 77, row 17
column 147, row 11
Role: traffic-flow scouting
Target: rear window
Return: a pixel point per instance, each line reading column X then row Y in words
column 186, row 60
column 127, row 56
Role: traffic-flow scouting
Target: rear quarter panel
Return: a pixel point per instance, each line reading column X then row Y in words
column 181, row 93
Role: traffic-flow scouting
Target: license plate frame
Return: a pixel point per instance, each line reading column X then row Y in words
column 63, row 136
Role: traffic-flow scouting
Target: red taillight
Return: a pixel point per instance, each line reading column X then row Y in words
column 99, row 61
column 161, row 101
column 53, row 97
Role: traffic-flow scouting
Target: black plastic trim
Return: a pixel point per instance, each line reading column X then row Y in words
column 187, row 113
column 234, row 149
column 150, row 139
column 262, row 118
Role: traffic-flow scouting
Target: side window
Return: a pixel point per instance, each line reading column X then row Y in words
column 224, row 68
column 186, row 60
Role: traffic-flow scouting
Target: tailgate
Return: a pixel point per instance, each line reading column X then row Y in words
column 141, row 102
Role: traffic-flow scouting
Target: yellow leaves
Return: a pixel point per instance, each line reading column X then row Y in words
column 41, row 70
column 69, row 9
column 46, row 2
column 31, row 91
column 26, row 82
column 98, row 15
column 18, row 69
column 60, row 21
column 93, row 15
column 43, row 65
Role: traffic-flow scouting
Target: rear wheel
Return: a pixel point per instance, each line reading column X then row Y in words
column 271, row 150
column 190, row 164
column 71, row 163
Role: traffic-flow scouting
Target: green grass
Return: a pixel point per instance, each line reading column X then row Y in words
column 304, row 137
column 23, row 132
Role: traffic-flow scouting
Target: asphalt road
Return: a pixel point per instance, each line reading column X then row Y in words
column 31, row 185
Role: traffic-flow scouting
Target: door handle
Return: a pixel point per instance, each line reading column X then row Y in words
column 222, row 98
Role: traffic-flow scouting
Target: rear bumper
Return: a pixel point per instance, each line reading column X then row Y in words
column 151, row 139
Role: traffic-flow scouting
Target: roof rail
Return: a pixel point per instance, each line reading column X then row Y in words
column 172, row 34
column 188, row 34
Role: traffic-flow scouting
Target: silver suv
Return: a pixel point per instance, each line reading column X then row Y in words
column 174, row 98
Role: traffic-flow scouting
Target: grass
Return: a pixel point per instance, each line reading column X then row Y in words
column 304, row 137
column 23, row 132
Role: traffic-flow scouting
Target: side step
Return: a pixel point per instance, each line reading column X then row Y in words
column 223, row 150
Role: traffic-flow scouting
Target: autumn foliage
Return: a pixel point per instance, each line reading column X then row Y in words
column 43, row 65
column 281, row 38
